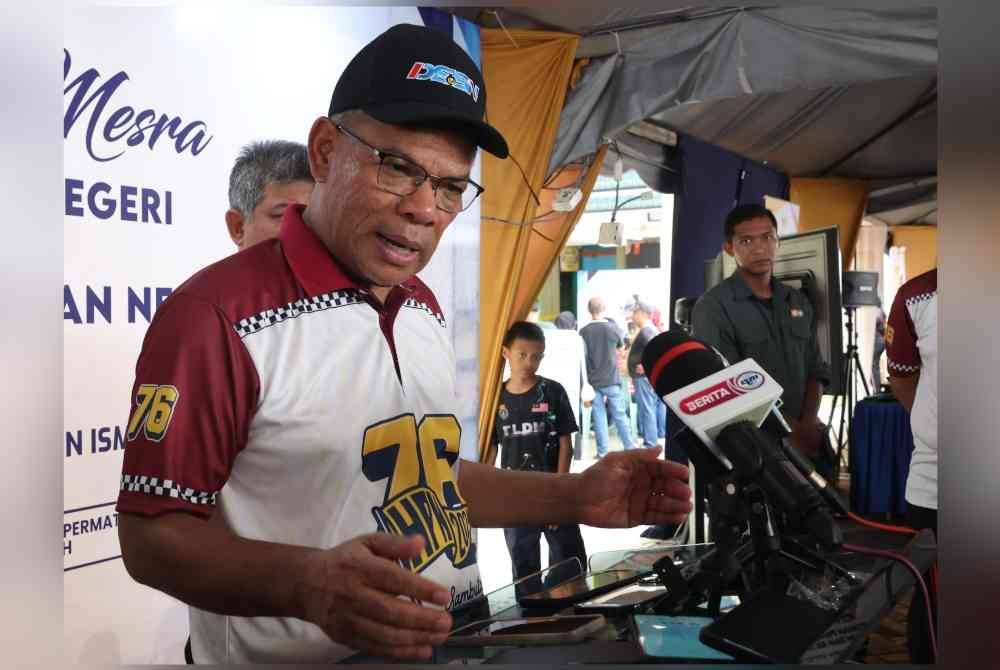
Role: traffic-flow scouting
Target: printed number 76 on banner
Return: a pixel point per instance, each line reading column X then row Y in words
column 154, row 409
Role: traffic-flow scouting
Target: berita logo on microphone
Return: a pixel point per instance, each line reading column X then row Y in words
column 713, row 396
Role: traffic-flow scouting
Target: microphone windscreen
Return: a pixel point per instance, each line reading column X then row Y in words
column 674, row 359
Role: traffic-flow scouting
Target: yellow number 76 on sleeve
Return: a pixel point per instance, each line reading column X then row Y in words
column 153, row 411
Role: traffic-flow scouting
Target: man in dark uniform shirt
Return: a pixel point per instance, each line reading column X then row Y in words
column 752, row 315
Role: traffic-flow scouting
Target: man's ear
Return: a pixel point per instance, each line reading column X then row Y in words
column 235, row 222
column 322, row 136
column 727, row 246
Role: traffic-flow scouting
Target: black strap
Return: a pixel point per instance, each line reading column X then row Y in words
column 188, row 658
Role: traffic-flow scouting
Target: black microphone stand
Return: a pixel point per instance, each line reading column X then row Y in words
column 750, row 553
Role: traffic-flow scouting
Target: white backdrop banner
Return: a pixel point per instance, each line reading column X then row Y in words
column 158, row 102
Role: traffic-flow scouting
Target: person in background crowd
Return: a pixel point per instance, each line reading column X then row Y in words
column 911, row 347
column 566, row 362
column 532, row 429
column 652, row 415
column 266, row 178
column 878, row 348
column 603, row 341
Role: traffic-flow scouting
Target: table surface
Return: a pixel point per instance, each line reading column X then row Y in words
column 884, row 583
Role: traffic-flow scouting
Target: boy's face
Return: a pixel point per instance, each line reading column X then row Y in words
column 524, row 357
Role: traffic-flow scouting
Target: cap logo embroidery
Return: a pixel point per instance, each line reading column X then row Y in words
column 443, row 74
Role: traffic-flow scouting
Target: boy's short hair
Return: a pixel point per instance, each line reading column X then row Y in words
column 523, row 330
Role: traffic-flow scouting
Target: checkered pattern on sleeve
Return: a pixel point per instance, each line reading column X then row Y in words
column 269, row 317
column 413, row 303
column 167, row 488
column 914, row 300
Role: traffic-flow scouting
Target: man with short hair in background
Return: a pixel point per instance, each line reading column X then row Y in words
column 753, row 315
column 652, row 413
column 267, row 177
column 602, row 340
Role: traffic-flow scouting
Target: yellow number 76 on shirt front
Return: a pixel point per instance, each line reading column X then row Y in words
column 154, row 408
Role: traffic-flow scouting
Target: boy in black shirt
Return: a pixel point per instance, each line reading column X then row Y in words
column 533, row 426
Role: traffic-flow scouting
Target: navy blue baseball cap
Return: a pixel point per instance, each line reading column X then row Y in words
column 415, row 75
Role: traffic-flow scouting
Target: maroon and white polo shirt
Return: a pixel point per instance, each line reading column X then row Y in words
column 277, row 395
column 911, row 347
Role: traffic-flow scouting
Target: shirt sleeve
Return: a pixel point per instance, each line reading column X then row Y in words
column 901, row 340
column 710, row 325
column 194, row 395
column 565, row 423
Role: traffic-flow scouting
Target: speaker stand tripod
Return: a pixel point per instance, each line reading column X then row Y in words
column 852, row 370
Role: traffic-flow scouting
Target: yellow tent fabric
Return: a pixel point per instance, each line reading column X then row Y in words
column 526, row 88
column 921, row 247
column 832, row 202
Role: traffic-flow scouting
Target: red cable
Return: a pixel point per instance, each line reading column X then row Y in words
column 880, row 526
column 916, row 574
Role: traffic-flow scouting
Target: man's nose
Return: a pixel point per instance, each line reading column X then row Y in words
column 421, row 205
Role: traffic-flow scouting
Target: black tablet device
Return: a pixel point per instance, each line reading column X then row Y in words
column 768, row 627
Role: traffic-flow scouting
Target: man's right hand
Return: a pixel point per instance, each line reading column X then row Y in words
column 352, row 592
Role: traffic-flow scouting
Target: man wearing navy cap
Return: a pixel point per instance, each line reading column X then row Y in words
column 291, row 468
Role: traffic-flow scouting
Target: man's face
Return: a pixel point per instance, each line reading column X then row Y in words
column 754, row 244
column 265, row 219
column 524, row 357
column 381, row 238
column 639, row 318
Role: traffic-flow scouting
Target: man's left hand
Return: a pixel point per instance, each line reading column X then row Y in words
column 629, row 488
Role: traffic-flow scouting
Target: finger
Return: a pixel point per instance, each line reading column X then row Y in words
column 654, row 518
column 387, row 608
column 662, row 507
column 388, row 577
column 670, row 488
column 394, row 546
column 668, row 505
column 405, row 653
column 668, row 469
column 389, row 637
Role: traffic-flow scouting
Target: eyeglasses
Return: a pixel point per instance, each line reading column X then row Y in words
column 748, row 241
column 401, row 176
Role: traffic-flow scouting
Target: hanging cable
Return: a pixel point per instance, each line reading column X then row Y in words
column 880, row 526
column 916, row 575
column 584, row 167
column 496, row 13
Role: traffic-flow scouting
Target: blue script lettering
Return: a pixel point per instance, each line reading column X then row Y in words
column 122, row 123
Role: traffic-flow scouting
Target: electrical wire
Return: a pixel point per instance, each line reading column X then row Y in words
column 527, row 183
column 585, row 166
column 916, row 575
column 905, row 530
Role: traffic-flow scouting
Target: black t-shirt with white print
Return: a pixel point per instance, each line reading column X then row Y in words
column 528, row 426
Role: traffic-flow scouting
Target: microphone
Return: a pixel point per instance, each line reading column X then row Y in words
column 724, row 408
column 808, row 470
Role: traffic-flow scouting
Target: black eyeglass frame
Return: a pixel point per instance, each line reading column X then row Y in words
column 427, row 176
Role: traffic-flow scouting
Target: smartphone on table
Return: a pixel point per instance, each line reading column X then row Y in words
column 527, row 631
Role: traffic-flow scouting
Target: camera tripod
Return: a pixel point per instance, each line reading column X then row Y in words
column 851, row 371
